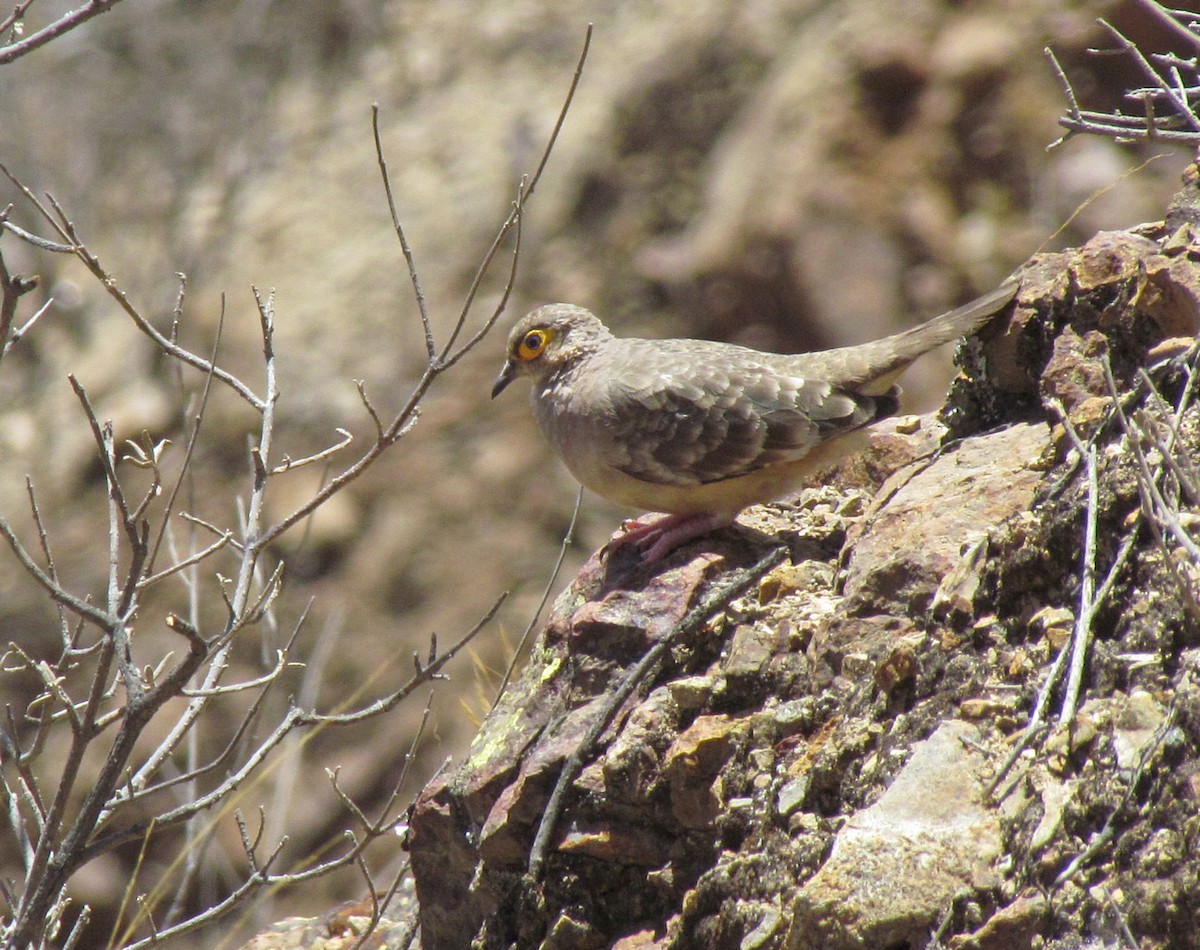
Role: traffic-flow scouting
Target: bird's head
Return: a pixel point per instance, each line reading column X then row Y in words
column 548, row 339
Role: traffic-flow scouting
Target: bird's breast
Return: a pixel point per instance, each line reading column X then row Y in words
column 578, row 426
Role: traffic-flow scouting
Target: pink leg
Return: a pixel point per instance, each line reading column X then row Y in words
column 656, row 539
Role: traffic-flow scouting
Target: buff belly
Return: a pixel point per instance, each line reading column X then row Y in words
column 726, row 497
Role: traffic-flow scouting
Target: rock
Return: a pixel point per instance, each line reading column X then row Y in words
column 949, row 503
column 608, row 841
column 1011, row 928
column 1134, row 726
column 803, row 771
column 1055, row 623
column 750, row 650
column 900, row 665
column 692, row 764
column 793, row 578
column 482, row 815
column 1075, row 374
column 1054, row 796
column 927, row 837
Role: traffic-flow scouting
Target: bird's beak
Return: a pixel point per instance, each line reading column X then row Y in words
column 507, row 375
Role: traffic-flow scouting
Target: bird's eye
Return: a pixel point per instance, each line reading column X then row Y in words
column 533, row 343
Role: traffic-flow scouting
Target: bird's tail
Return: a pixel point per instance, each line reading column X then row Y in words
column 872, row 368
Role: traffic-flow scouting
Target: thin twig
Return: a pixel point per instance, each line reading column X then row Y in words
column 12, row 289
column 127, row 893
column 288, row 464
column 405, row 418
column 1159, row 513
column 1101, row 838
column 51, row 570
column 562, row 554
column 383, row 825
column 424, row 675
column 54, row 247
column 514, row 218
column 1166, row 86
column 1182, row 106
column 67, row 231
column 1082, row 633
column 281, row 663
column 1172, row 22
column 138, row 787
column 193, row 437
column 15, row 336
column 258, row 879
column 406, row 250
column 18, row 12
column 83, row 608
column 293, row 719
column 82, row 820
column 64, row 24
column 187, row 562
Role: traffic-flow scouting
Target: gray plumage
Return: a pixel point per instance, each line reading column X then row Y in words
column 694, row 427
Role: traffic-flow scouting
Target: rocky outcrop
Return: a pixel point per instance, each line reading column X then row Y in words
column 880, row 736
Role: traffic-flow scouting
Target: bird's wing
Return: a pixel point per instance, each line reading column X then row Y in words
column 692, row 412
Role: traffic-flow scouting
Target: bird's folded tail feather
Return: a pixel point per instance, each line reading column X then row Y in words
column 872, row 368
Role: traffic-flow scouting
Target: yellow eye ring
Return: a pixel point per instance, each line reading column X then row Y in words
column 534, row 343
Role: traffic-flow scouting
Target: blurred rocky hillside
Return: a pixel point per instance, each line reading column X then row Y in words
column 722, row 164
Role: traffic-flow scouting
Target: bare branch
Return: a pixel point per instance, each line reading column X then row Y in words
column 288, row 464
column 254, row 882
column 138, row 785
column 80, row 607
column 361, row 386
column 514, row 218
column 103, row 436
column 281, row 664
column 12, row 288
column 1159, row 513
column 64, row 24
column 1173, row 21
column 424, row 675
column 33, row 240
column 14, row 18
column 15, row 336
column 210, row 527
column 67, row 230
column 1183, row 108
column 117, row 687
column 406, row 417
column 51, row 571
column 1167, row 104
column 430, row 348
column 194, row 435
column 187, row 562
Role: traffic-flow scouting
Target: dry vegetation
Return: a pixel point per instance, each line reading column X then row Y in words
column 117, row 739
column 209, row 603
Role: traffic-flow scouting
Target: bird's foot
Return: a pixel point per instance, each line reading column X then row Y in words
column 654, row 540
